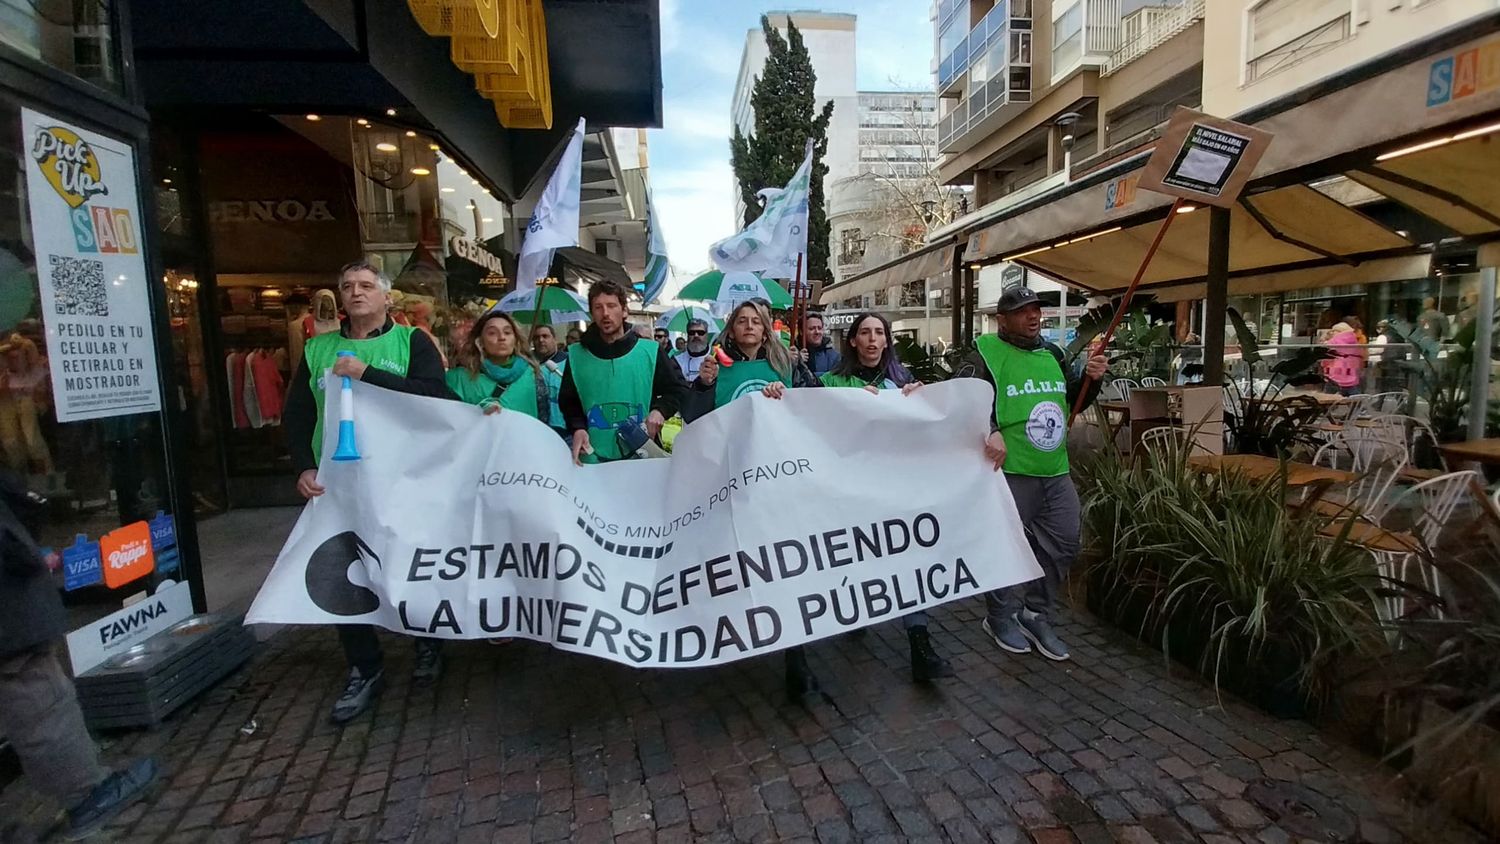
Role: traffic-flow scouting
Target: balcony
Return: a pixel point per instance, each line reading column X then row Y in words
column 1150, row 27
column 1007, row 15
column 983, row 109
column 989, row 69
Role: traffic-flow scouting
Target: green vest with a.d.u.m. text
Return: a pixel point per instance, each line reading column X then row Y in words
column 389, row 351
column 1031, row 398
column 612, row 390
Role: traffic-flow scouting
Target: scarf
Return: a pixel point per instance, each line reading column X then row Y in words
column 505, row 374
column 1020, row 343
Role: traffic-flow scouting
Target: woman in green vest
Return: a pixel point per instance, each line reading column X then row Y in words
column 762, row 364
column 491, row 363
column 868, row 361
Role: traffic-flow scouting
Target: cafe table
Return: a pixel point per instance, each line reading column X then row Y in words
column 1315, row 480
column 1485, row 451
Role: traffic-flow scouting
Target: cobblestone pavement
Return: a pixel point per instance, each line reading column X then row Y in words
column 520, row 743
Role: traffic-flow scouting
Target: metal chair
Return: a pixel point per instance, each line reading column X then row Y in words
column 1398, row 554
column 1378, row 463
column 1381, row 404
column 1153, row 381
column 1123, row 386
column 1413, row 433
column 1166, row 439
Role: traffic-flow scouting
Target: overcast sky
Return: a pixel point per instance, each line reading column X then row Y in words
column 701, row 43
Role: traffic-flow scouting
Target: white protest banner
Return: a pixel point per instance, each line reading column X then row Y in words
column 86, row 227
column 774, row 523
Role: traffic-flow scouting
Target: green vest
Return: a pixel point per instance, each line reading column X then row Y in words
column 745, row 377
column 831, row 379
column 1031, row 397
column 389, row 352
column 479, row 389
column 612, row 391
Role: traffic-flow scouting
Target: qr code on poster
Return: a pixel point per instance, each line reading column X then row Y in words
column 78, row 287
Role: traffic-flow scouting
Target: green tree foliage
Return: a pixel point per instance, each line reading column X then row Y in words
column 786, row 115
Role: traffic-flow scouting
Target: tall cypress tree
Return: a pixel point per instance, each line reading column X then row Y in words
column 785, row 117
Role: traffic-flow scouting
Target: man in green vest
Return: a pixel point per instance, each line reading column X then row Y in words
column 616, row 382
column 1034, row 394
column 394, row 357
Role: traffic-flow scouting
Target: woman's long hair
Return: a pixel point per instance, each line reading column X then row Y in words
column 777, row 354
column 469, row 355
column 890, row 364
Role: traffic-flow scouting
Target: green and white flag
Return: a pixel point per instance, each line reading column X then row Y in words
column 658, row 269
column 771, row 245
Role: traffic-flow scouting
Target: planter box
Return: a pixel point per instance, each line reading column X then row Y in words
column 1464, row 774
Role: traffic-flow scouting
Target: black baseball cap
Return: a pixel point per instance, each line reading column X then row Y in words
column 1016, row 298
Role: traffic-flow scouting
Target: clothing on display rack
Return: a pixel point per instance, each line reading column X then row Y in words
column 256, row 387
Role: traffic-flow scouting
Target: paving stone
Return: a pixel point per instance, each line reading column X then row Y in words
column 526, row 744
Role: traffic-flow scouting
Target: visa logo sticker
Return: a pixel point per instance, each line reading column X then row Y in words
column 163, row 532
column 82, row 564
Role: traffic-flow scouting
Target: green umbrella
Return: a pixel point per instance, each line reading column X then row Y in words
column 676, row 319
column 730, row 289
column 559, row 304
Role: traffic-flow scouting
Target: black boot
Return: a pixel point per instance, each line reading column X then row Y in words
column 801, row 685
column 926, row 665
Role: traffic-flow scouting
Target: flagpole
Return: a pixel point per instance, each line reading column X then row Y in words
column 799, row 303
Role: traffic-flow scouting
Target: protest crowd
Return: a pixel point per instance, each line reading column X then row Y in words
column 610, row 394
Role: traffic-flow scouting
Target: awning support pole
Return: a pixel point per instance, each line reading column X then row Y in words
column 1484, row 336
column 956, row 297
column 1124, row 305
column 1216, row 299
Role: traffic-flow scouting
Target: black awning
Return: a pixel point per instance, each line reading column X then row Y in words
column 590, row 266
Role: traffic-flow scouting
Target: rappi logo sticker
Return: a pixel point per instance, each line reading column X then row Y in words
column 68, row 164
column 126, row 554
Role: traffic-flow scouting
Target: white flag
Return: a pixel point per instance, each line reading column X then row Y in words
column 554, row 223
column 658, row 268
column 771, row 245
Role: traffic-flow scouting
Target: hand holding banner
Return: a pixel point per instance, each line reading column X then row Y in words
column 463, row 526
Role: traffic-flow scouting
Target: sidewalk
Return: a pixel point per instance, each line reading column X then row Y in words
column 522, row 743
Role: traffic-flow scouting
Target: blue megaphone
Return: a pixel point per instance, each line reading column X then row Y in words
column 346, row 450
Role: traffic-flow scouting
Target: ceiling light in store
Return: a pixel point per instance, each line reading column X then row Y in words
column 390, row 112
column 486, row 219
column 362, row 122
column 410, row 133
column 314, row 117
column 166, row 181
column 447, row 190
column 421, row 171
column 1474, row 133
column 1413, row 148
column 434, row 147
column 385, row 147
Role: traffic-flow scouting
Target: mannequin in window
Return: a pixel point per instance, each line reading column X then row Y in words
column 325, row 314
column 23, row 390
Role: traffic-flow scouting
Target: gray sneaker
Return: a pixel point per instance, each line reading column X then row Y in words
column 1007, row 634
column 1039, row 632
column 359, row 692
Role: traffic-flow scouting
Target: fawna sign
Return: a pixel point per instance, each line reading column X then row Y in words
column 92, row 644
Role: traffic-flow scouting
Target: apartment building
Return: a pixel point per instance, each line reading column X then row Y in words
column 1027, row 86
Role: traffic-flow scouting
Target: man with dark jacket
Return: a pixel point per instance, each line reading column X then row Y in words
column 39, row 711
column 615, row 380
column 1034, row 394
column 368, row 347
column 818, row 351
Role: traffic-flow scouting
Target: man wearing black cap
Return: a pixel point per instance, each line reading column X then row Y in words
column 1034, row 394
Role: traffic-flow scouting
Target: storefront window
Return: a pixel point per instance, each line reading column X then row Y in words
column 72, row 35
column 79, row 402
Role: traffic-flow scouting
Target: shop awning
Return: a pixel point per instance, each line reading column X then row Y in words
column 1092, row 232
column 1370, row 272
column 1287, row 228
column 933, row 260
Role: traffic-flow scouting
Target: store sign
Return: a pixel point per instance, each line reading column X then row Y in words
column 85, row 224
column 843, row 320
column 126, row 553
column 1464, row 74
column 1204, row 158
column 269, row 211
column 475, row 253
column 92, row 644
column 1121, row 192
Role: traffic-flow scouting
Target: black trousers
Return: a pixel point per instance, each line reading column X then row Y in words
column 362, row 647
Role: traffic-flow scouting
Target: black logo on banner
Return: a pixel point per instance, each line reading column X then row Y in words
column 328, row 581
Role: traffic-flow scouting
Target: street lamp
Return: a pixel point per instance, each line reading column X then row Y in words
column 1066, row 122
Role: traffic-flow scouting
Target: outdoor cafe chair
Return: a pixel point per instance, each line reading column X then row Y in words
column 1153, row 381
column 1411, row 432
column 1163, row 440
column 1377, row 463
column 1123, row 386
column 1401, row 554
column 1381, row 404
